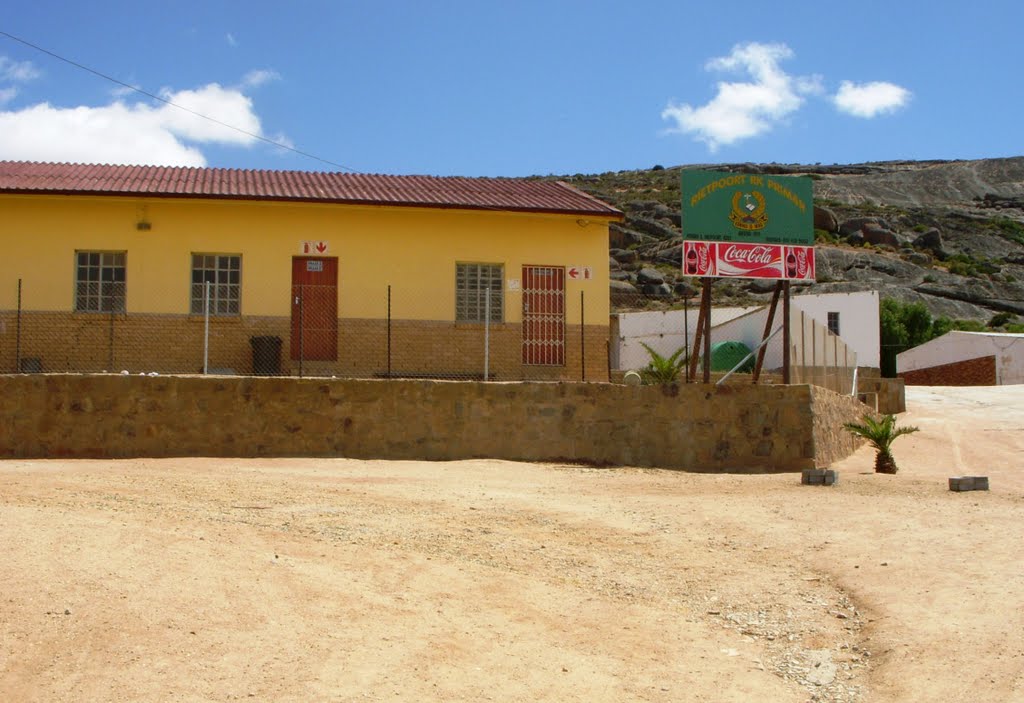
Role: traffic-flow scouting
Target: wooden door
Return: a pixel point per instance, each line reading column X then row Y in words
column 544, row 315
column 314, row 308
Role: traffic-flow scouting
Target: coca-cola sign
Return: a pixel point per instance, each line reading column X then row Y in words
column 749, row 260
column 699, row 259
column 800, row 263
column 743, row 260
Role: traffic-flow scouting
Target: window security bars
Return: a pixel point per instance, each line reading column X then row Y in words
column 100, row 281
column 224, row 274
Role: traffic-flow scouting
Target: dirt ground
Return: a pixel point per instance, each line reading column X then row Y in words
column 343, row 580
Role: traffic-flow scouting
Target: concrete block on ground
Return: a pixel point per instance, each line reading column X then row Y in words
column 819, row 477
column 968, row 483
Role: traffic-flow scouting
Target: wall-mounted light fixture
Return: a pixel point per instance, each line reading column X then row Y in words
column 142, row 222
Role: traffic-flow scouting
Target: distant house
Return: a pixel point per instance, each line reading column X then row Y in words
column 964, row 359
column 148, row 268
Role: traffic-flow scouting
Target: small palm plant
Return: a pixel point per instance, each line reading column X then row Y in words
column 663, row 370
column 881, row 434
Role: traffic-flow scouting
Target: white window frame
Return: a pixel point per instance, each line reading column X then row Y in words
column 473, row 280
column 224, row 273
column 101, row 281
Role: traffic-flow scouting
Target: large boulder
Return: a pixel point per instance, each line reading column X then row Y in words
column 857, row 224
column 875, row 234
column 621, row 237
column 825, row 219
column 658, row 290
column 624, row 256
column 931, row 241
column 647, row 275
column 622, row 292
column 652, row 227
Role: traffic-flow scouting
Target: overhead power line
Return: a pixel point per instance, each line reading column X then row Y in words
column 174, row 104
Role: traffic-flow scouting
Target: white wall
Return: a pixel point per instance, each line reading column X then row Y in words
column 858, row 320
column 664, row 331
column 961, row 346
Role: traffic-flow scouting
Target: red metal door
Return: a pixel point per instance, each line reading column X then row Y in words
column 544, row 315
column 314, row 308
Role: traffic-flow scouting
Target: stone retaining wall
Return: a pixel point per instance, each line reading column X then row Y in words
column 695, row 427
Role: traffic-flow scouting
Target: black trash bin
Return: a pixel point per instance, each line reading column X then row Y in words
column 266, row 356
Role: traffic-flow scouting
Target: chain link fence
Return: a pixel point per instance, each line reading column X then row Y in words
column 308, row 329
column 817, row 356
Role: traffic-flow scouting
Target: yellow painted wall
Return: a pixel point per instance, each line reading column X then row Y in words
column 412, row 249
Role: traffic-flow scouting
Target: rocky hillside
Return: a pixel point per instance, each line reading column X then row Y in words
column 949, row 234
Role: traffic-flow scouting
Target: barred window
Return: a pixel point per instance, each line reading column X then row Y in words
column 224, row 274
column 833, row 323
column 473, row 284
column 100, row 281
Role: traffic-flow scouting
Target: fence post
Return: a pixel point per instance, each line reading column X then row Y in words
column 206, row 329
column 110, row 343
column 302, row 326
column 487, row 334
column 583, row 341
column 389, row 331
column 17, row 335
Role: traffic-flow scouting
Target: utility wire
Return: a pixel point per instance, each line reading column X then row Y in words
column 173, row 104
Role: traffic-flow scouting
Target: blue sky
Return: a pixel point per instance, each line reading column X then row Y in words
column 513, row 88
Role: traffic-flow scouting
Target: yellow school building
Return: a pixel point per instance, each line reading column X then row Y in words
column 150, row 269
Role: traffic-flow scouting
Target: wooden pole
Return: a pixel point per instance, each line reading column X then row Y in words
column 767, row 330
column 785, row 333
column 691, row 375
column 707, row 331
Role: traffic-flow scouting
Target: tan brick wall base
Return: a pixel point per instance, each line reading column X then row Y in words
column 137, row 342
column 972, row 372
column 701, row 428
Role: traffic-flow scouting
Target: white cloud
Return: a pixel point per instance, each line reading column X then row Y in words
column 17, row 71
column 7, row 95
column 225, row 105
column 742, row 110
column 113, row 134
column 254, row 79
column 131, row 133
column 870, row 99
column 231, row 39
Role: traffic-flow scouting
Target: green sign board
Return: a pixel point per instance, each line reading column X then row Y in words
column 746, row 207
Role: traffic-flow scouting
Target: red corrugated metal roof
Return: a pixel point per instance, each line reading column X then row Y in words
column 353, row 188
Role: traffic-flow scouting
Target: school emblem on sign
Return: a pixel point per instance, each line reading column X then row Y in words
column 748, row 211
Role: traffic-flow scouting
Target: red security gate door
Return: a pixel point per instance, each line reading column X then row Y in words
column 314, row 308
column 544, row 315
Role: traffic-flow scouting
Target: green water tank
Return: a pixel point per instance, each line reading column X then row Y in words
column 725, row 355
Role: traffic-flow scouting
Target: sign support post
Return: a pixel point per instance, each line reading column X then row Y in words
column 786, row 342
column 767, row 331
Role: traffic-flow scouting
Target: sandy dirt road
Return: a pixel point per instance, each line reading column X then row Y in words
column 342, row 580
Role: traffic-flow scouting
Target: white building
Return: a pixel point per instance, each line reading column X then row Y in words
column 853, row 317
column 965, row 358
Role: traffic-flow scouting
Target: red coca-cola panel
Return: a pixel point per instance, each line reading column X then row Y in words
column 743, row 260
column 738, row 260
column 800, row 263
column 699, row 258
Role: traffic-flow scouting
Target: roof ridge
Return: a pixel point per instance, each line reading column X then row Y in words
column 465, row 192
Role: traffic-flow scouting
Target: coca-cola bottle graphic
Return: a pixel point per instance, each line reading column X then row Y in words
column 691, row 261
column 790, row 265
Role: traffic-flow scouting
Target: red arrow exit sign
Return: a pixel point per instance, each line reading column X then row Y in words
column 584, row 273
column 314, row 248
